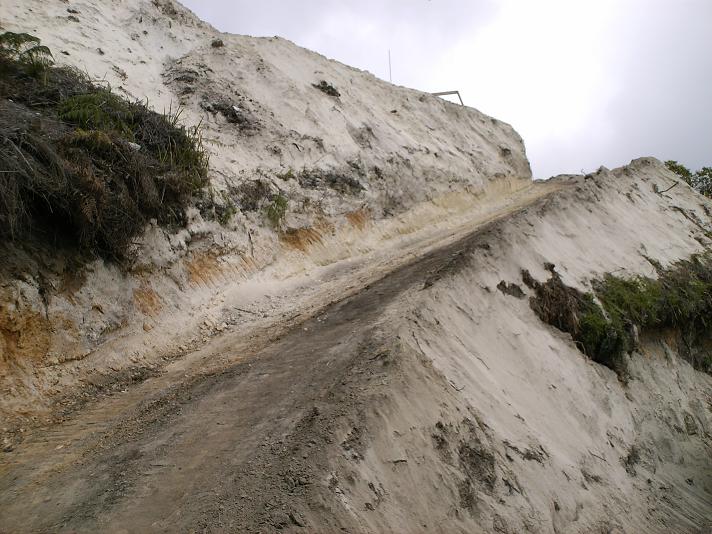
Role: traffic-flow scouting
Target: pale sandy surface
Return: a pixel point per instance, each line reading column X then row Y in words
column 428, row 401
column 368, row 376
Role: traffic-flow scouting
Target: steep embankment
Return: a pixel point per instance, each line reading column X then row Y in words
column 431, row 401
column 301, row 176
column 479, row 417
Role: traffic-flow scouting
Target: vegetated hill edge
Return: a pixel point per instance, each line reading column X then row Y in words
column 83, row 167
column 605, row 323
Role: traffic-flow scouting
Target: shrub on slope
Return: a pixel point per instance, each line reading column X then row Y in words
column 82, row 166
column 605, row 323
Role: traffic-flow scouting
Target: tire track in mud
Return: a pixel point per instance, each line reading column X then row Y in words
column 186, row 456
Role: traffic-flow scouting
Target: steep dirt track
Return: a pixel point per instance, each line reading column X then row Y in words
column 187, row 456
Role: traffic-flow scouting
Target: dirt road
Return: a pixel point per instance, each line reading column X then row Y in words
column 216, row 451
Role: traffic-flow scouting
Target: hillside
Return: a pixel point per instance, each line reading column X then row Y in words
column 297, row 179
column 424, row 339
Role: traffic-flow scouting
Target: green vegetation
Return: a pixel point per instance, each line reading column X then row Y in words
column 700, row 180
column 277, row 209
column 578, row 314
column 603, row 339
column 82, row 166
column 287, row 175
column 225, row 211
column 605, row 323
column 680, row 299
column 26, row 51
column 99, row 110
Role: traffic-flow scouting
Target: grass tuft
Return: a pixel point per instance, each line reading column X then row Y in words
column 277, row 210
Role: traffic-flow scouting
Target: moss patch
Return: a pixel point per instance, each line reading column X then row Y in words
column 604, row 323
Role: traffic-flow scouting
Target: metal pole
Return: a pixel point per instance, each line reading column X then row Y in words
column 390, row 73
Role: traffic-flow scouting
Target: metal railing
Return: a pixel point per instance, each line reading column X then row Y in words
column 446, row 93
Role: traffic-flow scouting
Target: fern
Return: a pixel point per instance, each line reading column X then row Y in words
column 36, row 55
column 100, row 110
column 14, row 43
column 26, row 50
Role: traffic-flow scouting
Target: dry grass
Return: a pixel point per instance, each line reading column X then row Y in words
column 147, row 300
column 203, row 268
column 359, row 218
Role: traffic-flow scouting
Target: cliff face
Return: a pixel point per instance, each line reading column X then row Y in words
column 311, row 162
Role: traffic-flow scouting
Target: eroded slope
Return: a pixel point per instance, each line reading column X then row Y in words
column 299, row 179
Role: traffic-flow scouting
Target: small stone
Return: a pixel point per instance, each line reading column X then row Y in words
column 147, row 327
column 217, row 43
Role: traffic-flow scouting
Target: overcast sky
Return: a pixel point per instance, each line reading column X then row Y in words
column 585, row 82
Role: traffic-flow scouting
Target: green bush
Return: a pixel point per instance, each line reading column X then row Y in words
column 636, row 300
column 703, row 181
column 700, row 180
column 603, row 339
column 85, row 167
column 680, row 299
column 277, row 209
column 680, row 296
